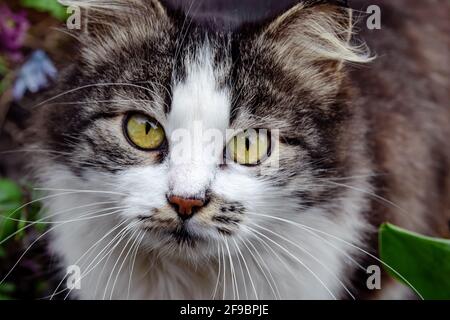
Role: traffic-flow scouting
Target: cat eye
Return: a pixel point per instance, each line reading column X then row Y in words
column 143, row 132
column 249, row 147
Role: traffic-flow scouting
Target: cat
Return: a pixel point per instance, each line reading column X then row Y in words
column 342, row 142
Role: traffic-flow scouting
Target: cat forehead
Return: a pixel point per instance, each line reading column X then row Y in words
column 200, row 94
column 197, row 74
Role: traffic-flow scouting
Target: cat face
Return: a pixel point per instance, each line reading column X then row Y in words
column 201, row 137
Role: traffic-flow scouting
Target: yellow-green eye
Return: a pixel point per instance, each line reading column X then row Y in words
column 144, row 132
column 250, row 147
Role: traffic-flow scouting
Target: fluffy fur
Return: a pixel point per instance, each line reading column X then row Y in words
column 297, row 230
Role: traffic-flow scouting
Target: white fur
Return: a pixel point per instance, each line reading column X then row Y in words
column 197, row 106
column 161, row 277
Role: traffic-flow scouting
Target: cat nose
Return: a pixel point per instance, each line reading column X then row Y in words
column 185, row 207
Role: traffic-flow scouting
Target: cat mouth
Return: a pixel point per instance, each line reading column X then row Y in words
column 183, row 236
column 180, row 233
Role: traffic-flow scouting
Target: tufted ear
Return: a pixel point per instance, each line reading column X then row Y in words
column 315, row 33
column 111, row 26
column 103, row 13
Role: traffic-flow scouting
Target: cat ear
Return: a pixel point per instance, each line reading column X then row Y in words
column 116, row 12
column 111, row 24
column 314, row 33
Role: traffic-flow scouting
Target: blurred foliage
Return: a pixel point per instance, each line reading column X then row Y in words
column 26, row 27
column 19, row 231
column 423, row 261
column 53, row 7
column 10, row 199
column 4, row 82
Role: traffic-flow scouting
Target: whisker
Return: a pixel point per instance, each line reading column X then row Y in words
column 309, row 254
column 248, row 271
column 243, row 276
column 275, row 293
column 224, row 272
column 361, row 176
column 108, row 256
column 36, row 222
column 124, row 260
column 112, row 245
column 81, row 191
column 56, row 292
column 33, row 201
column 182, row 32
column 35, row 241
column 91, row 86
column 302, row 226
column 271, row 250
column 297, row 259
column 101, row 101
column 121, row 234
column 136, row 249
column 233, row 275
column 371, row 194
column 53, row 154
column 218, row 273
column 61, row 221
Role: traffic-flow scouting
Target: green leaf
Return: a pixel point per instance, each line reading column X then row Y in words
column 3, row 67
column 40, row 227
column 9, row 191
column 7, row 287
column 4, row 80
column 53, row 7
column 421, row 262
column 10, row 200
column 20, row 225
column 5, row 297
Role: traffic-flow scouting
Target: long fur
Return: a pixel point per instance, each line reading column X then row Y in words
column 303, row 229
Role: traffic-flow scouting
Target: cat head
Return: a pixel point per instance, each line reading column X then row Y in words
column 201, row 137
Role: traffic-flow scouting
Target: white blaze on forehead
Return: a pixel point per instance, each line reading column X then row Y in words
column 200, row 108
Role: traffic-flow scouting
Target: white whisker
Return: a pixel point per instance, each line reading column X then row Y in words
column 136, row 249
column 124, row 260
column 218, row 273
column 56, row 292
column 276, row 292
column 248, row 270
column 299, row 225
column 309, row 254
column 297, row 259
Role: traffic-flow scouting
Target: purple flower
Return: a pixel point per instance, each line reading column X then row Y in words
column 34, row 75
column 13, row 27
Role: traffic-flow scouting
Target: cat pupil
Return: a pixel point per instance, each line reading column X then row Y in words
column 147, row 127
column 247, row 143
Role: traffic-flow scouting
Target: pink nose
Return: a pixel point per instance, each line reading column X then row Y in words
column 185, row 207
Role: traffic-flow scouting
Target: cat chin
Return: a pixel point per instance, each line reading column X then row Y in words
column 189, row 243
column 188, row 248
